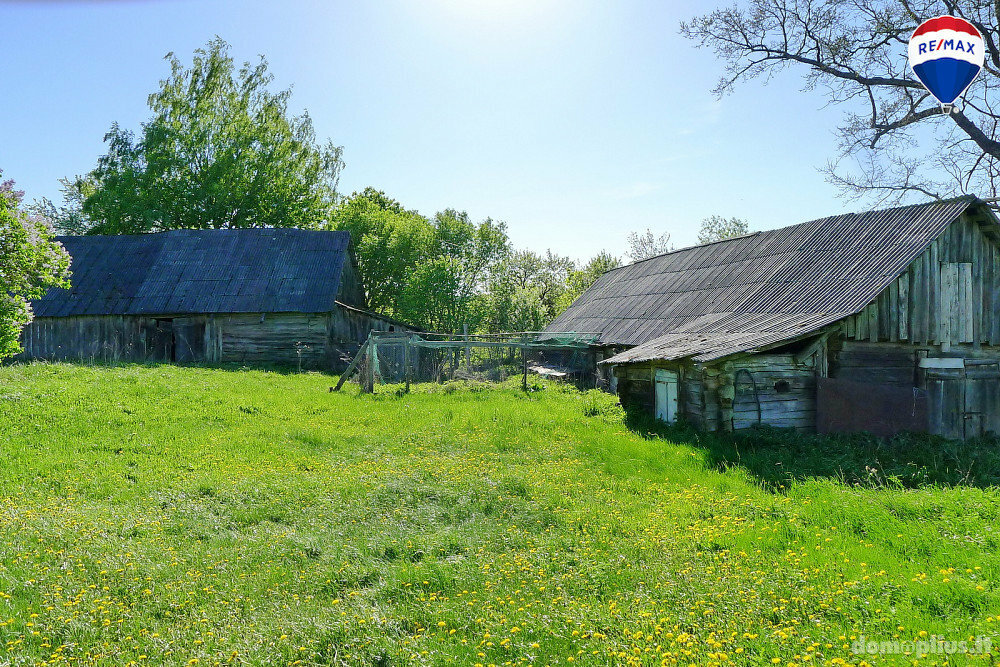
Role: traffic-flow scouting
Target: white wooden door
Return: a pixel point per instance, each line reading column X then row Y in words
column 666, row 395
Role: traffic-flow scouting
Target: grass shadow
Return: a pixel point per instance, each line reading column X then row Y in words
column 776, row 457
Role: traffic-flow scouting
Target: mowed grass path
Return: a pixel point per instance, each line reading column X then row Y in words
column 164, row 515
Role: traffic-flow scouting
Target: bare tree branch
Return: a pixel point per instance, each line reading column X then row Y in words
column 854, row 52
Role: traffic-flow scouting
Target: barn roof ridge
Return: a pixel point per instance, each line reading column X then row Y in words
column 968, row 197
column 210, row 230
column 714, row 300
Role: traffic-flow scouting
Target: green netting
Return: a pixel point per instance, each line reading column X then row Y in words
column 567, row 339
column 398, row 358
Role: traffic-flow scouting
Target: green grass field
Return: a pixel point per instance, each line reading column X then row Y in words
column 165, row 515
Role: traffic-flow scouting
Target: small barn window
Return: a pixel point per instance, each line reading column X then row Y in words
column 782, row 386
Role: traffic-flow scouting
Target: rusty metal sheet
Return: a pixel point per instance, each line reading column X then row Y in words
column 883, row 410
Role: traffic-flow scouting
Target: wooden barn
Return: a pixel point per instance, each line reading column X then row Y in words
column 883, row 321
column 256, row 296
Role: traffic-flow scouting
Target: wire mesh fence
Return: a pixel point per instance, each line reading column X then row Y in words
column 407, row 358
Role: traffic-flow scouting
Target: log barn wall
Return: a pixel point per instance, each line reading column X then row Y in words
column 98, row 338
column 945, row 305
column 254, row 296
column 635, row 386
column 350, row 290
column 319, row 340
column 268, row 338
column 725, row 396
column 782, row 386
column 903, row 302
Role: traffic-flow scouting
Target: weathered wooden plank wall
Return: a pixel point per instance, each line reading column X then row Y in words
column 718, row 397
column 635, row 386
column 946, row 303
column 876, row 363
column 785, row 387
column 350, row 290
column 348, row 329
column 318, row 340
column 97, row 338
column 950, row 295
column 271, row 338
column 697, row 405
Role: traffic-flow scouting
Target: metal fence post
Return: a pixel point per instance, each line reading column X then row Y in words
column 407, row 363
column 524, row 362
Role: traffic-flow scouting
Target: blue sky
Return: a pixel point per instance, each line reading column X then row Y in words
column 574, row 122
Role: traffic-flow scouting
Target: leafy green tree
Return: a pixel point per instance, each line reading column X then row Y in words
column 645, row 245
column 448, row 290
column 554, row 281
column 433, row 297
column 220, row 151
column 31, row 262
column 580, row 280
column 545, row 274
column 507, row 307
column 449, row 271
column 389, row 243
column 67, row 217
column 717, row 228
column 435, row 273
column 526, row 290
column 514, row 310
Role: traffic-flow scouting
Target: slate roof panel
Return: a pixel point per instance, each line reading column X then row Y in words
column 199, row 271
column 736, row 295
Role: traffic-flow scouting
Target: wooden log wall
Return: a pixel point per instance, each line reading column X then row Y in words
column 950, row 295
column 963, row 397
column 350, row 290
column 324, row 340
column 720, row 396
column 875, row 363
column 784, row 385
column 349, row 329
column 697, row 398
column 946, row 303
column 635, row 386
column 270, row 338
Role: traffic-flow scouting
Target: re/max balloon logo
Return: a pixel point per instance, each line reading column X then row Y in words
column 946, row 54
column 946, row 45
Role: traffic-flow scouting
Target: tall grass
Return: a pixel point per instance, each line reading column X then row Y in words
column 165, row 515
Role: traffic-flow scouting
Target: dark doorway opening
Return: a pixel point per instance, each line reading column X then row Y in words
column 161, row 346
column 189, row 339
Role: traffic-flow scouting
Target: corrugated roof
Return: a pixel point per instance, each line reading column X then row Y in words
column 201, row 271
column 731, row 296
